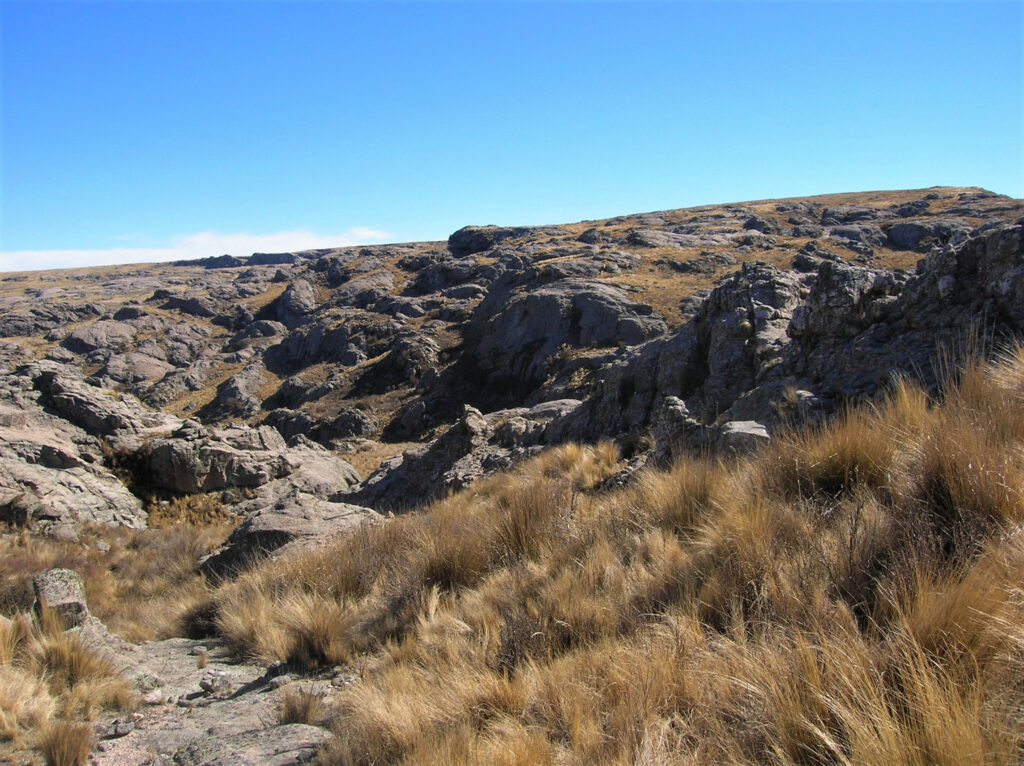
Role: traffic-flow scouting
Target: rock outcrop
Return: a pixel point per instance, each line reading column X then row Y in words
column 520, row 330
column 662, row 322
column 838, row 333
column 477, row 445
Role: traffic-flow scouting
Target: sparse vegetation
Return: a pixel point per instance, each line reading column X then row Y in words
column 850, row 594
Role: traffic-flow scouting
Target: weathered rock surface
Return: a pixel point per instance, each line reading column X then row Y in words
column 51, row 471
column 62, row 592
column 521, row 331
column 392, row 342
column 223, row 713
column 275, row 523
column 838, row 333
column 106, row 334
column 283, row 745
column 485, row 349
column 476, row 446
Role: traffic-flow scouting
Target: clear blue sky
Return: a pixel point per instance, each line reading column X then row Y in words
column 207, row 127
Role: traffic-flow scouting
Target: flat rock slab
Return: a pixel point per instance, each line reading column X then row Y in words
column 222, row 713
column 279, row 746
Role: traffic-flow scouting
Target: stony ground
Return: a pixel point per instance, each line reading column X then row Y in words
column 224, row 712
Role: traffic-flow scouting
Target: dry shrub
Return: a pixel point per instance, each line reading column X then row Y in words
column 65, row 743
column 199, row 510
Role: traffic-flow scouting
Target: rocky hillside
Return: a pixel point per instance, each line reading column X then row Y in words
column 302, row 395
column 311, row 387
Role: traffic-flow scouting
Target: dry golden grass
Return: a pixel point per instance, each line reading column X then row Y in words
column 49, row 679
column 140, row 588
column 301, row 706
column 66, row 743
column 850, row 595
column 199, row 510
column 368, row 456
column 196, row 400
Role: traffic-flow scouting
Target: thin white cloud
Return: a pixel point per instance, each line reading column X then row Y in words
column 188, row 247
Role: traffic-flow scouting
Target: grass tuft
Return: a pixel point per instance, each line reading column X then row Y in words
column 301, row 706
column 66, row 743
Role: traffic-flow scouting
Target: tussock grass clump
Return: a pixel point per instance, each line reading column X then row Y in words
column 301, row 706
column 66, row 743
column 850, row 595
column 49, row 679
column 319, row 608
column 857, row 449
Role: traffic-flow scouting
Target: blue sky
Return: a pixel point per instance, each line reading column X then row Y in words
column 136, row 131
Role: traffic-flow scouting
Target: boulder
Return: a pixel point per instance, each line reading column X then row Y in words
column 62, row 592
column 364, row 291
column 193, row 459
column 239, row 395
column 476, row 239
column 296, row 304
column 99, row 411
column 843, row 214
column 33, row 321
column 518, row 335
column 923, row 235
column 418, row 475
column 295, row 519
column 476, row 446
column 197, row 459
column 51, row 470
column 762, row 224
column 105, row 334
column 659, row 238
column 836, row 332
column 133, row 368
column 409, row 358
column 742, row 437
column 347, row 424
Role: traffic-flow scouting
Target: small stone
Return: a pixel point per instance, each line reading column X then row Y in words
column 197, row 650
column 278, row 681
column 102, row 546
column 155, row 697
column 214, row 683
